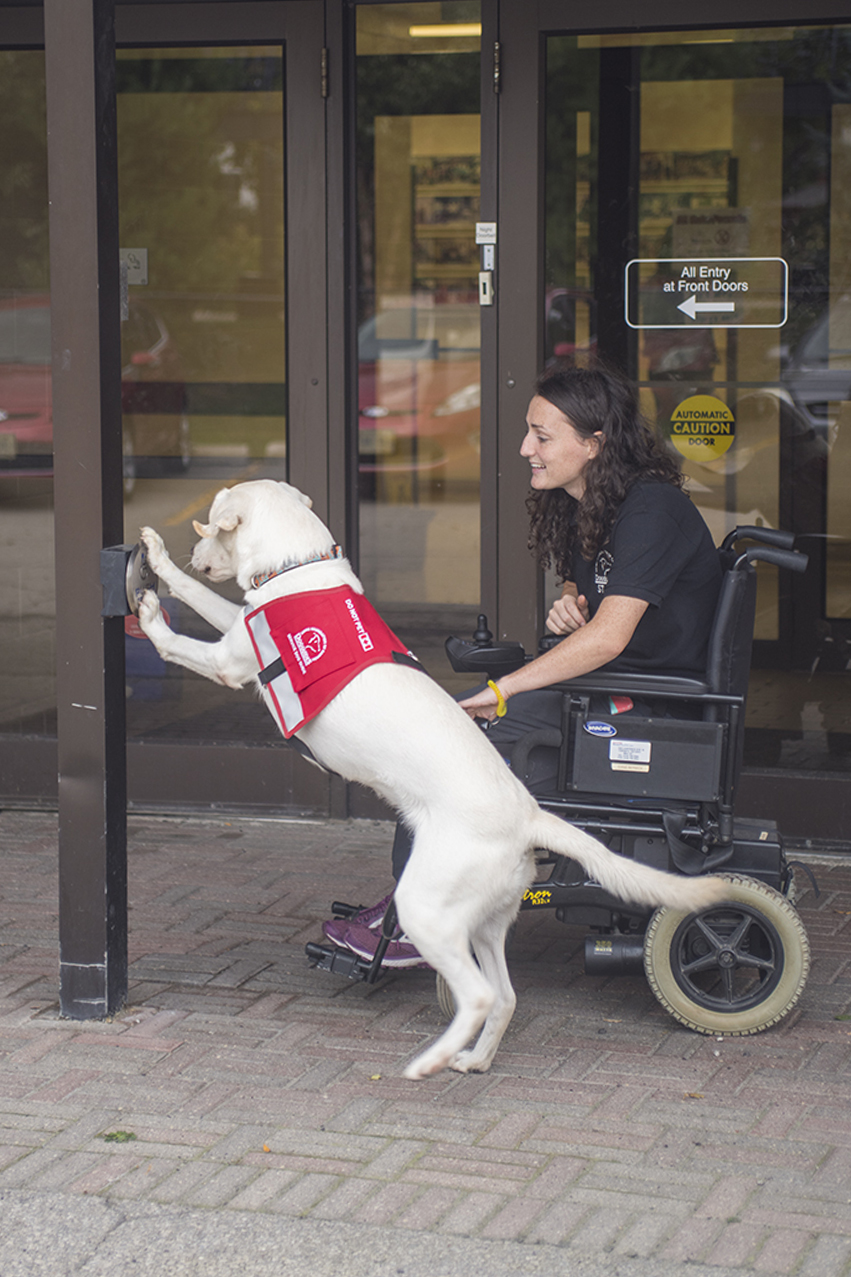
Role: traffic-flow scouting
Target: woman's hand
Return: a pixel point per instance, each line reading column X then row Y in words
column 483, row 705
column 568, row 614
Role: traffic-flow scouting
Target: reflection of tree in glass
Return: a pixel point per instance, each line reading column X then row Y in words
column 201, row 187
column 194, row 170
column 571, row 178
column 23, row 171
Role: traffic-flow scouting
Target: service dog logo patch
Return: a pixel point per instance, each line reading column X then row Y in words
column 308, row 646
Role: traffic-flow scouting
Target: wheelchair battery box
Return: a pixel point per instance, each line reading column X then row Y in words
column 647, row 758
column 757, row 851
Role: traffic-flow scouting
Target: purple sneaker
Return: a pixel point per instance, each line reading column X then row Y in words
column 335, row 928
column 364, row 941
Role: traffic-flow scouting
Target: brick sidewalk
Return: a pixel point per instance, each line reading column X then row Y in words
column 251, row 1083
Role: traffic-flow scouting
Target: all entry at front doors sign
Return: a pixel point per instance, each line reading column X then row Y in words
column 702, row 292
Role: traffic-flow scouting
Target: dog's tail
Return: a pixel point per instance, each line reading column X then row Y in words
column 623, row 877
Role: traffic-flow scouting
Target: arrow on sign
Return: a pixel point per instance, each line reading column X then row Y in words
column 692, row 306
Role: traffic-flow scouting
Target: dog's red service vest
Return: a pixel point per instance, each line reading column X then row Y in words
column 309, row 646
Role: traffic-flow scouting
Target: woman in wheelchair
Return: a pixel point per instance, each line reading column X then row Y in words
column 641, row 579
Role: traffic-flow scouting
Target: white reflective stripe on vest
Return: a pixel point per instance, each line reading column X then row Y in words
column 281, row 701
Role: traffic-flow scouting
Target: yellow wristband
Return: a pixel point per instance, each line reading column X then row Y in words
column 501, row 707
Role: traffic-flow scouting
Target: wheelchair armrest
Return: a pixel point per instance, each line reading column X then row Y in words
column 657, row 685
column 550, row 736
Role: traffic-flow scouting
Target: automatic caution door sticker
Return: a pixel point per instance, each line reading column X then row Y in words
column 702, row 428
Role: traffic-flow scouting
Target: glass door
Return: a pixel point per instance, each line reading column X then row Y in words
column 201, row 209
column 696, row 235
column 217, row 108
column 418, row 319
column 222, row 220
column 27, row 597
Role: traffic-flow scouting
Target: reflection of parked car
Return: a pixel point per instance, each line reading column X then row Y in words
column 419, row 395
column 26, row 425
column 571, row 325
column 817, row 371
column 418, row 399
column 156, row 428
column 153, row 397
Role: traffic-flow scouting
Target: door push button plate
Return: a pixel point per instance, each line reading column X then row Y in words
column 125, row 574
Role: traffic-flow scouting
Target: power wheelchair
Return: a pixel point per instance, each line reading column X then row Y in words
column 661, row 789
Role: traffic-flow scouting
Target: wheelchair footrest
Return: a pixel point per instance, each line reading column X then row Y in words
column 341, row 910
column 327, row 957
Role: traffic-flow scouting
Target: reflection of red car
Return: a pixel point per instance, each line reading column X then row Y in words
column 153, row 393
column 419, row 396
column 153, row 397
column 418, row 404
column 26, row 422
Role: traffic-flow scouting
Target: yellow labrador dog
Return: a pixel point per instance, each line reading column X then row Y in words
column 392, row 728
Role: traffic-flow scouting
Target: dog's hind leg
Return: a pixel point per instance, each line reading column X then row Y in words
column 473, row 1001
column 489, row 947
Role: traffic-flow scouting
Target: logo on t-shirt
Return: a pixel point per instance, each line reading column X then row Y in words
column 602, row 568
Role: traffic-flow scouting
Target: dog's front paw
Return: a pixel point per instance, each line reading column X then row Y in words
column 157, row 555
column 150, row 615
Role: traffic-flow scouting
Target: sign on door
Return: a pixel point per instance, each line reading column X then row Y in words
column 706, row 292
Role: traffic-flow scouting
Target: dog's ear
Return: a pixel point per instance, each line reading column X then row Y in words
column 227, row 521
column 222, row 519
column 302, row 496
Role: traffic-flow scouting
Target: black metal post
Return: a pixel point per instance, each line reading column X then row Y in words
column 86, row 353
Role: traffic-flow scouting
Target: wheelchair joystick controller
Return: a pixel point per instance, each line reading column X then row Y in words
column 482, row 655
column 482, row 636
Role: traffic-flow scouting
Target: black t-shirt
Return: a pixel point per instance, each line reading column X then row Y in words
column 659, row 550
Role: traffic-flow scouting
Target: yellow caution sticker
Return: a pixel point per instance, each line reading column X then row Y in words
column 703, row 428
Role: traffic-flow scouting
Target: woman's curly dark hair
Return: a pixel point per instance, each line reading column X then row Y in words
column 595, row 401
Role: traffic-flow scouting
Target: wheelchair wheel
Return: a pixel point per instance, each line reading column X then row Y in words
column 735, row 968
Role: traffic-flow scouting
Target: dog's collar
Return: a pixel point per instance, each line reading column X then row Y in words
column 336, row 552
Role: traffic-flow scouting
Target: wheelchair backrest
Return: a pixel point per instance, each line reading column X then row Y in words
column 731, row 639
column 728, row 660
